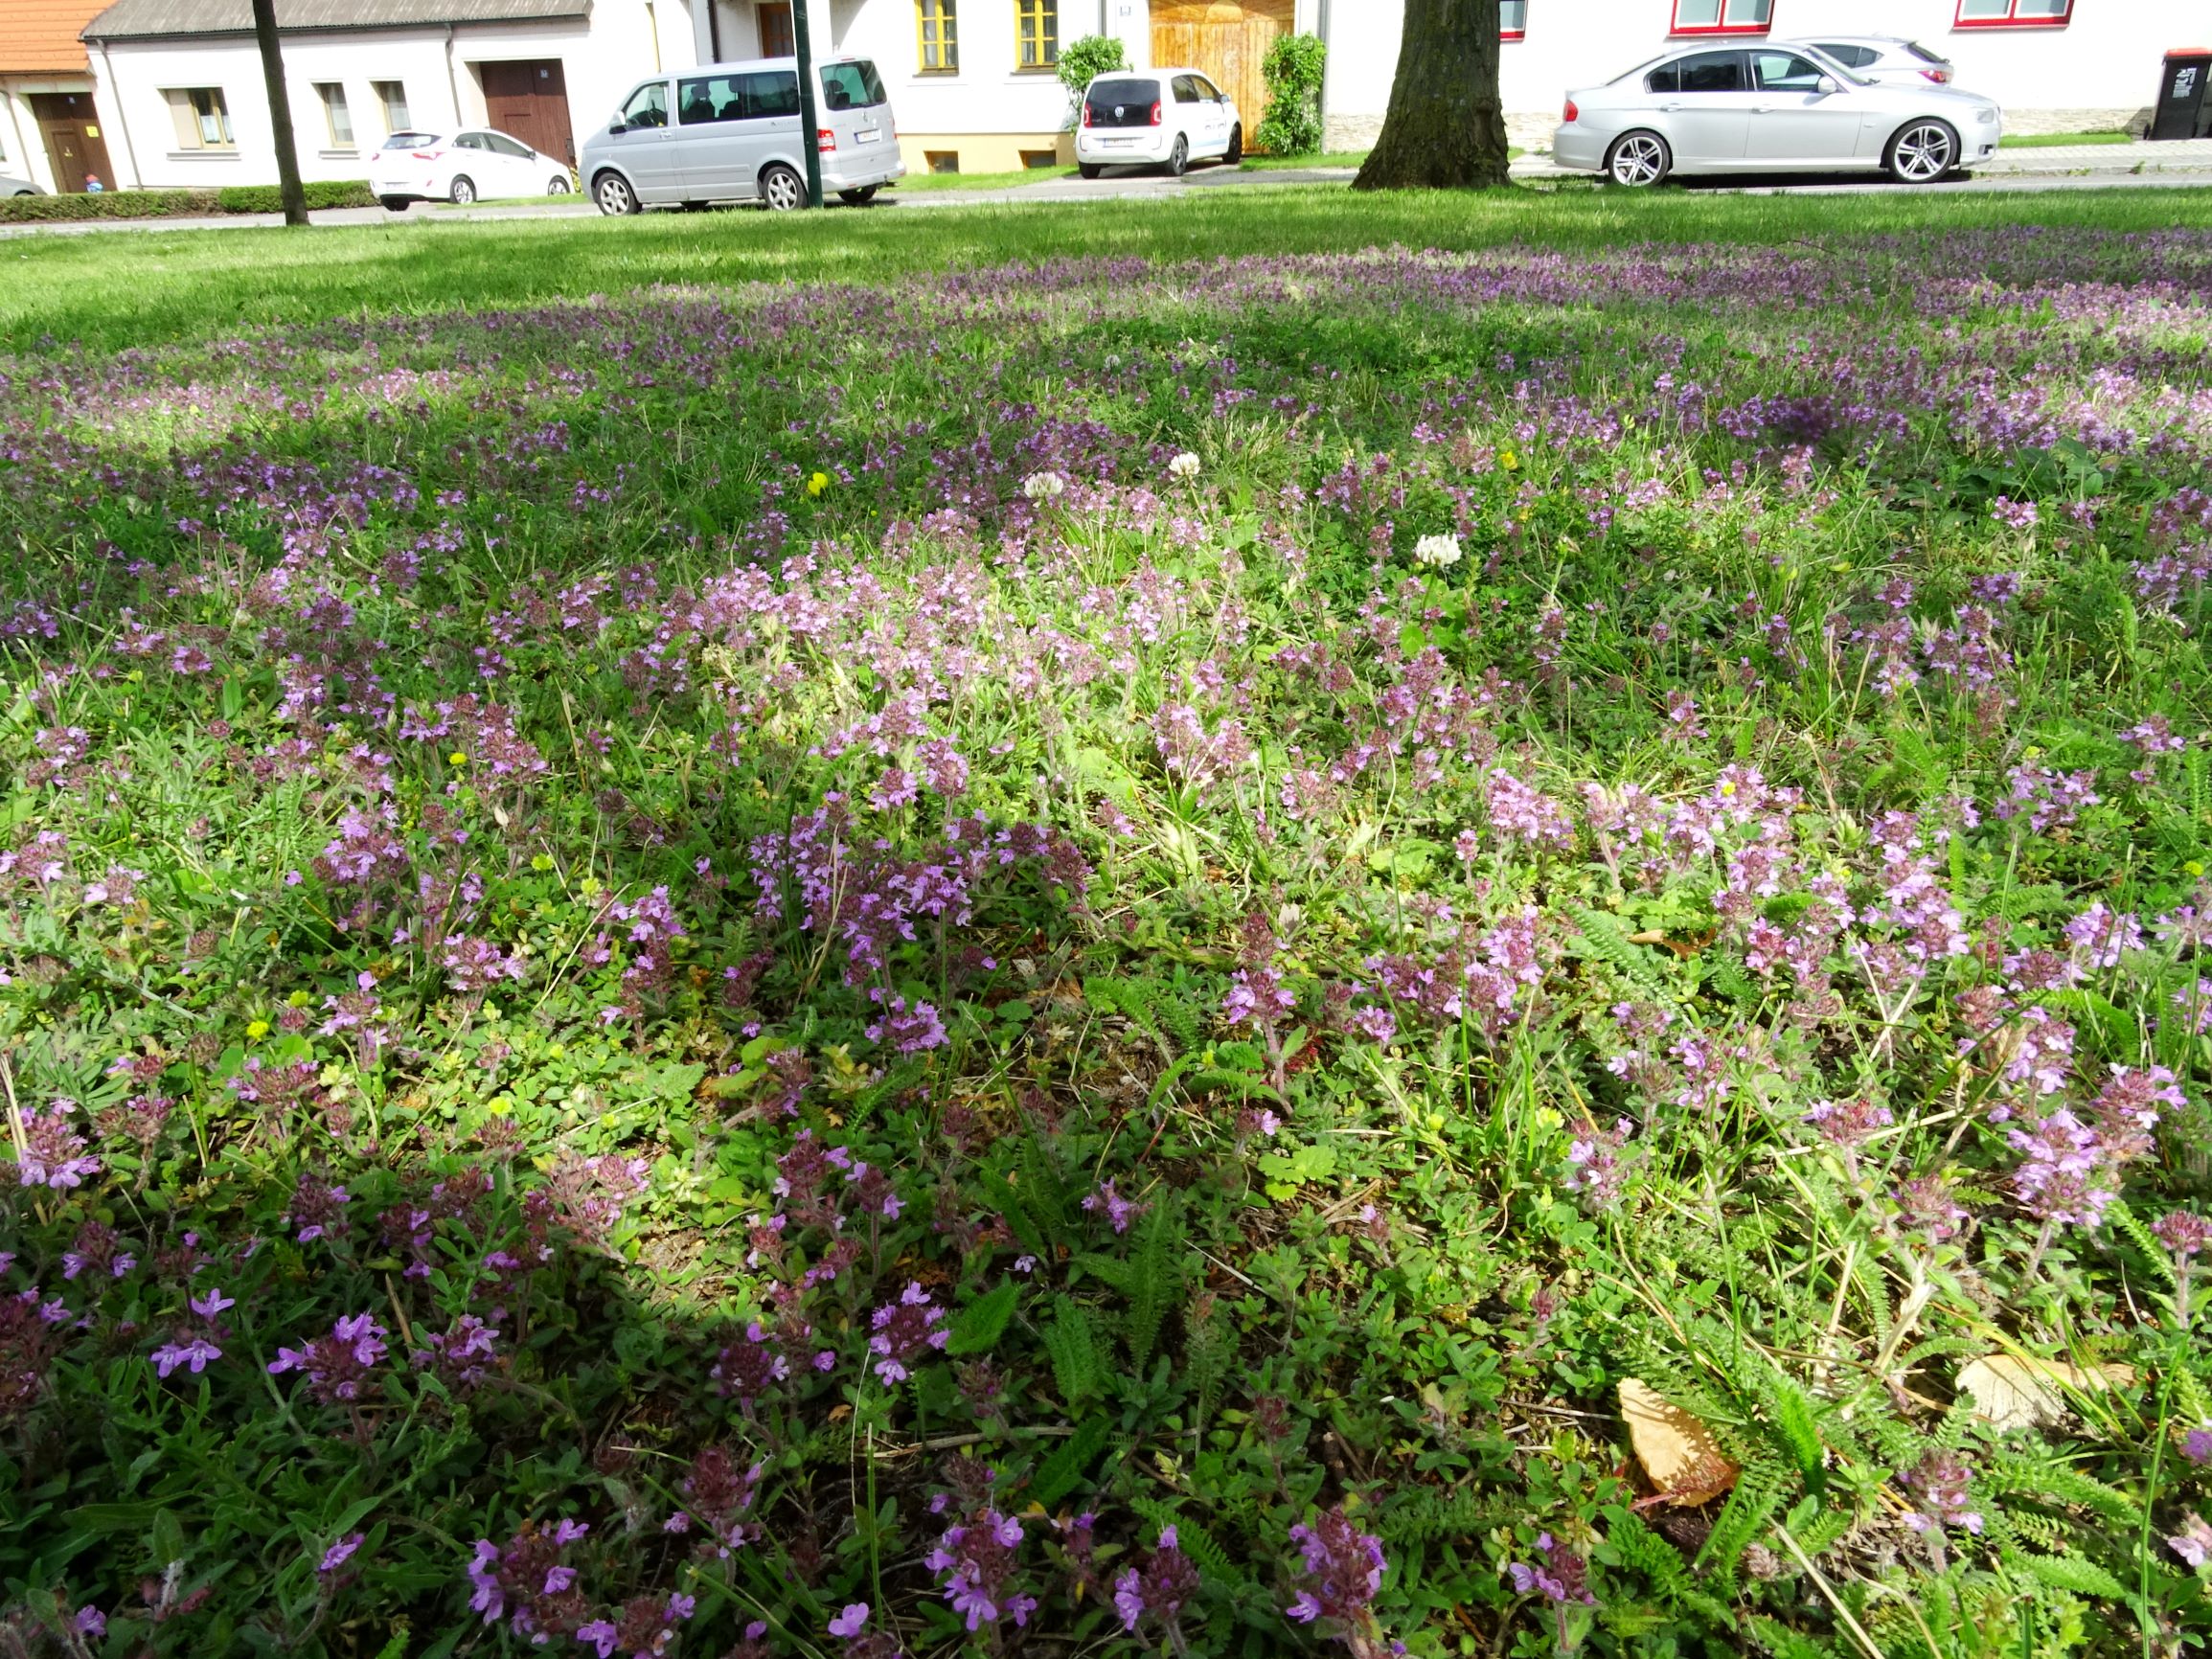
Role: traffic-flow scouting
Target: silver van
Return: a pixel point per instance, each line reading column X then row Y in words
column 730, row 133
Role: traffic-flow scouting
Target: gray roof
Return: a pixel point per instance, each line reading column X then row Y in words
column 158, row 19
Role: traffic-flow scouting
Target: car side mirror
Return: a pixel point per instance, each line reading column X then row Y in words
column 615, row 129
column 1828, row 83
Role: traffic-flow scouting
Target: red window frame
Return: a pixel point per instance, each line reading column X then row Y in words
column 1723, row 27
column 1960, row 20
column 1507, row 32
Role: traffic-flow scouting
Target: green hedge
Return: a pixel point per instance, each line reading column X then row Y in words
column 169, row 204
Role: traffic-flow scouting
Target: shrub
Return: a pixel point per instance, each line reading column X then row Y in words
column 1094, row 55
column 169, row 204
column 1292, row 123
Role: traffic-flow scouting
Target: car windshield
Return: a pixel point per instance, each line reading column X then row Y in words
column 852, row 86
column 411, row 141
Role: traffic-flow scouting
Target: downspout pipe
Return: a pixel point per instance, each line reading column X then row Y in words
column 122, row 117
column 453, row 80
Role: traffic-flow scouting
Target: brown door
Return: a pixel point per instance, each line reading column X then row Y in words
column 1227, row 41
column 71, row 127
column 777, row 40
column 530, row 101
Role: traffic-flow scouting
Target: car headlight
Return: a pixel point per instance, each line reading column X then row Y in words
column 1988, row 116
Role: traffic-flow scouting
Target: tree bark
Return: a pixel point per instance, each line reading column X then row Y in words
column 288, row 191
column 1446, row 127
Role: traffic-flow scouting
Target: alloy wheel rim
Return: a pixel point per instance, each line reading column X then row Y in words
column 610, row 196
column 1924, row 152
column 781, row 195
column 463, row 191
column 1636, row 162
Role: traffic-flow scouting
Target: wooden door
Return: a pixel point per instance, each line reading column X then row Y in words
column 777, row 39
column 1226, row 40
column 75, row 145
column 530, row 100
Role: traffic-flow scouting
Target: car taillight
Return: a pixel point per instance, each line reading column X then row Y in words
column 1571, row 112
column 426, row 154
column 1939, row 76
column 1086, row 115
column 825, row 141
column 1155, row 112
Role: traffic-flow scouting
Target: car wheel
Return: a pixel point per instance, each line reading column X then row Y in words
column 462, row 191
column 1088, row 169
column 559, row 185
column 1180, row 157
column 612, row 191
column 1638, row 158
column 395, row 204
column 855, row 197
column 781, row 188
column 1921, row 153
column 1234, row 155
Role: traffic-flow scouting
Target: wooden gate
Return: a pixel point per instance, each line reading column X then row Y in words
column 1227, row 39
column 530, row 101
column 70, row 124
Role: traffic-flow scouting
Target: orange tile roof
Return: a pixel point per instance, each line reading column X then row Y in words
column 40, row 36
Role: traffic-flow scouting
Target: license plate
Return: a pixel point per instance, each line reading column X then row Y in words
column 1117, row 143
column 868, row 137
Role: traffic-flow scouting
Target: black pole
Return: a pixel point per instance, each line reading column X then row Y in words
column 809, row 132
column 293, row 198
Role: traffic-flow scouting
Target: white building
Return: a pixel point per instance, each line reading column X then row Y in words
column 972, row 81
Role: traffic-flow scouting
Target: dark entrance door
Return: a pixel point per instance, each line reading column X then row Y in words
column 71, row 127
column 530, row 100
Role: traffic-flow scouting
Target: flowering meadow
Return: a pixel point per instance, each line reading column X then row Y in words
column 1099, row 957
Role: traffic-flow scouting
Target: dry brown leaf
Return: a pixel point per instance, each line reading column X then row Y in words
column 1680, row 1457
column 2015, row 1393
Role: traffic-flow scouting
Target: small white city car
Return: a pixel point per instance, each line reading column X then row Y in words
column 1885, row 57
column 475, row 164
column 730, row 133
column 1165, row 118
column 1770, row 108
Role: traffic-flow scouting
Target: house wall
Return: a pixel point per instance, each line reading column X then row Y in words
column 2099, row 70
column 623, row 40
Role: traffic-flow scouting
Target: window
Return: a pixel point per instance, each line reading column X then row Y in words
column 1207, row 90
column 938, row 24
column 203, row 119
column 942, row 160
column 1849, row 57
column 1700, row 72
column 337, row 119
column 648, row 106
column 777, row 40
column 2014, row 13
column 1786, row 72
column 854, row 84
column 1511, row 19
column 1724, row 16
column 1036, row 34
column 499, row 143
column 393, row 96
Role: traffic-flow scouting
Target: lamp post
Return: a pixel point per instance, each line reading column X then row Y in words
column 810, row 134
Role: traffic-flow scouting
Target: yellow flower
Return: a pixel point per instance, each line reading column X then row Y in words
column 458, row 758
column 541, row 863
column 2195, row 867
column 1508, row 459
column 257, row 1030
column 817, row 482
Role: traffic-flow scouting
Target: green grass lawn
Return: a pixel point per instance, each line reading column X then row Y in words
column 185, row 283
column 1249, row 926
column 2059, row 139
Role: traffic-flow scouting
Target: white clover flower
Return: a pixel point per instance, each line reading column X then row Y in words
column 1437, row 551
column 1183, row 465
column 1044, row 485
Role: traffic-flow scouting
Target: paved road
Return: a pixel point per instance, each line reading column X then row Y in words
column 2059, row 167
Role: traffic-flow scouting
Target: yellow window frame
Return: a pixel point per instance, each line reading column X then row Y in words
column 1036, row 34
column 937, row 35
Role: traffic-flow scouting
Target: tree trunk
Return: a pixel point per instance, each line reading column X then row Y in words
column 1446, row 129
column 288, row 191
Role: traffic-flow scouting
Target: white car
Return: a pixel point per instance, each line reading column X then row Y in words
column 475, row 164
column 1769, row 109
column 1166, row 117
column 1888, row 58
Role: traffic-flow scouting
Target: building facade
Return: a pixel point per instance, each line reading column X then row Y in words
column 973, row 81
column 51, row 130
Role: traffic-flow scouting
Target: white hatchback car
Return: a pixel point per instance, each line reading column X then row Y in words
column 476, row 164
column 1769, row 109
column 1889, row 58
column 1166, row 117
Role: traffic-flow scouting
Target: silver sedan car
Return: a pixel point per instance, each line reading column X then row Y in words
column 1769, row 109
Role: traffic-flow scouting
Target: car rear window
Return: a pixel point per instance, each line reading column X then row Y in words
column 1108, row 93
column 1924, row 54
column 410, row 141
column 852, row 86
